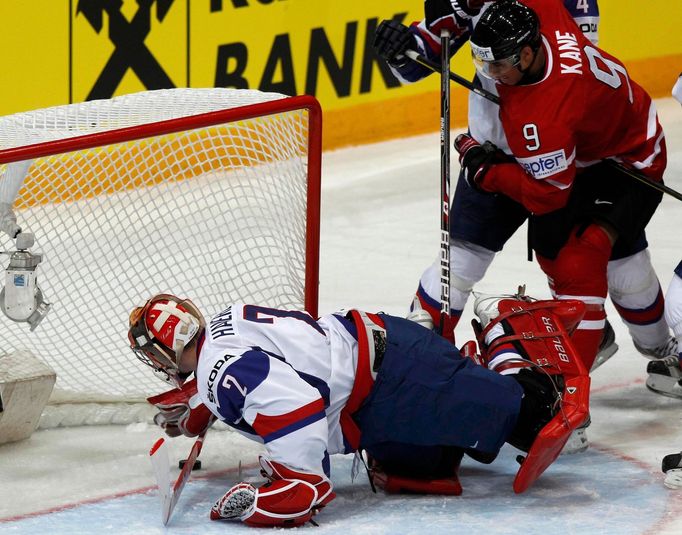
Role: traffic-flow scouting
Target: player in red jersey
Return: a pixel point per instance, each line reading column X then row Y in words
column 566, row 106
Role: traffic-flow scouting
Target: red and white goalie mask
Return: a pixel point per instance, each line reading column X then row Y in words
column 159, row 332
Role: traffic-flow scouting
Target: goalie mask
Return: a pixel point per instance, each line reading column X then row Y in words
column 159, row 332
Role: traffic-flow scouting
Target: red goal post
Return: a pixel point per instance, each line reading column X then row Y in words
column 211, row 194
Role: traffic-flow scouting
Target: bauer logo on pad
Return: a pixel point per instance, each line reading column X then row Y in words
column 544, row 165
column 19, row 280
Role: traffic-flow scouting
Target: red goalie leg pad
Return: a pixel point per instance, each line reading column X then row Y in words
column 550, row 441
column 539, row 332
column 282, row 503
column 394, row 484
column 323, row 486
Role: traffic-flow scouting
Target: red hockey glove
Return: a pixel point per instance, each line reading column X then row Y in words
column 181, row 411
column 475, row 159
column 290, row 498
column 391, row 40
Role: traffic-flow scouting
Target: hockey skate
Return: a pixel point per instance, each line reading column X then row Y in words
column 672, row 468
column 664, row 350
column 419, row 315
column 665, row 376
column 607, row 348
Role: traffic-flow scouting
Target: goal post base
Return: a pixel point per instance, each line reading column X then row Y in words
column 25, row 387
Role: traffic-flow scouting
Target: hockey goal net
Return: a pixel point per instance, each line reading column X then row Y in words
column 211, row 194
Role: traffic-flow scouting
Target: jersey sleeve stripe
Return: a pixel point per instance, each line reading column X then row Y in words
column 273, row 427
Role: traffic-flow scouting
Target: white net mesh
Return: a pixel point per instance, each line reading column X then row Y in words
column 214, row 214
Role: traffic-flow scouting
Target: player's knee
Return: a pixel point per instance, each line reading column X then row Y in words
column 631, row 275
column 580, row 268
column 468, row 263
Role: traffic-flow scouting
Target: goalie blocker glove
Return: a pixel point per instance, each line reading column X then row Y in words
column 289, row 498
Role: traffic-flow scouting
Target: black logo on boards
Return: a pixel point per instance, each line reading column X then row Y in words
column 128, row 37
column 217, row 5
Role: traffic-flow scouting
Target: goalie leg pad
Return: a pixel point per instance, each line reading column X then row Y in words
column 539, row 330
column 323, row 486
column 412, row 469
column 278, row 503
column 394, row 484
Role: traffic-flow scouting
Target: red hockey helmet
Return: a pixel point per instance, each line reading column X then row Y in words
column 160, row 330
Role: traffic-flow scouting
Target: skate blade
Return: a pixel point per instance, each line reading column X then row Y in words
column 604, row 355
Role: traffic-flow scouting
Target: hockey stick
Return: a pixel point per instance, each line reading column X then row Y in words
column 444, row 179
column 432, row 65
column 170, row 494
column 418, row 58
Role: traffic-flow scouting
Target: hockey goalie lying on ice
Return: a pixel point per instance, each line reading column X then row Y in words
column 354, row 382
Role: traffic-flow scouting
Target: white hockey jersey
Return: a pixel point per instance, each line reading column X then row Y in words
column 281, row 378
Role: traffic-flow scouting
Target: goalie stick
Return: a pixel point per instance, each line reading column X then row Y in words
column 433, row 66
column 169, row 495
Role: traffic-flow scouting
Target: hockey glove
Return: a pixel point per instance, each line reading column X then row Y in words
column 475, row 159
column 439, row 9
column 391, row 40
column 8, row 221
column 449, row 14
column 290, row 498
column 181, row 411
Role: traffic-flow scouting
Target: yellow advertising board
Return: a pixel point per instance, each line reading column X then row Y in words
column 62, row 51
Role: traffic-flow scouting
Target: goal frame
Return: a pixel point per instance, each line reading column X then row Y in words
column 204, row 120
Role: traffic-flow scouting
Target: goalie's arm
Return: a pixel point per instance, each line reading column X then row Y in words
column 263, row 392
column 265, row 395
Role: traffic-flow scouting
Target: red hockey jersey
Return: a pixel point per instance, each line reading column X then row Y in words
column 584, row 109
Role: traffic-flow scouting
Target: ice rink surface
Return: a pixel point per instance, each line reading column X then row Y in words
column 379, row 231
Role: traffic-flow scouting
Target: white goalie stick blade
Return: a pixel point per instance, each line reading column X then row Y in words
column 158, row 455
column 159, row 458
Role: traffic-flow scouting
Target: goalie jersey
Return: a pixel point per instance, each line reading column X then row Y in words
column 302, row 386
